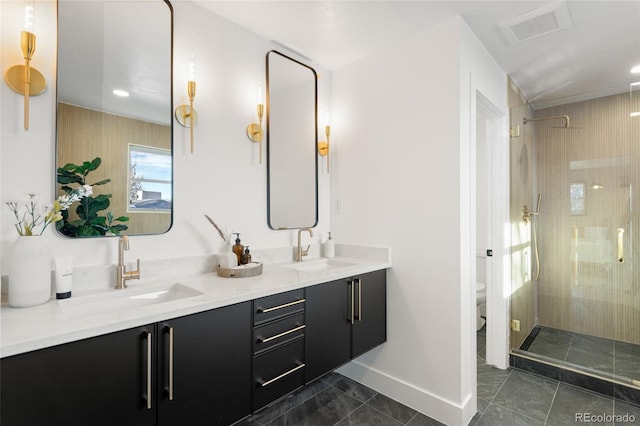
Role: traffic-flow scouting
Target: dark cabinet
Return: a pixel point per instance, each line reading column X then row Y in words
column 106, row 380
column 215, row 367
column 190, row 370
column 204, row 367
column 345, row 318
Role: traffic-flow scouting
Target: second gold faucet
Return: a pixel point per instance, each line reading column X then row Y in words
column 299, row 252
column 122, row 276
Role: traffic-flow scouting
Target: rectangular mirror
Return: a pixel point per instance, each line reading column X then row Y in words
column 114, row 115
column 292, row 161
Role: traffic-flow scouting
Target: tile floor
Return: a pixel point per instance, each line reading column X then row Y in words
column 505, row 398
column 515, row 397
column 603, row 355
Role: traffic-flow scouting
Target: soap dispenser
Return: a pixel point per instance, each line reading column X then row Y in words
column 329, row 247
column 246, row 257
column 238, row 249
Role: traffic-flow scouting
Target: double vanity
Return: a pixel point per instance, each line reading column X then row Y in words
column 196, row 349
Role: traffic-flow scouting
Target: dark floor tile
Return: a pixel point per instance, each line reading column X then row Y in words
column 490, row 380
column 496, row 415
column 551, row 343
column 368, row 416
column 592, row 352
column 352, row 388
column 627, row 361
column 422, row 420
column 571, row 402
column 482, row 405
column 392, row 408
column 527, row 394
column 287, row 403
column 624, row 413
column 326, row 408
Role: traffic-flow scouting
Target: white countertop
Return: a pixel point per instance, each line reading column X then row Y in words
column 63, row 321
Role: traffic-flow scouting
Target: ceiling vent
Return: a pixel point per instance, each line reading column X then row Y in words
column 536, row 23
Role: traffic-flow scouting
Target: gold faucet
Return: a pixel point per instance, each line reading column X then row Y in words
column 122, row 274
column 300, row 252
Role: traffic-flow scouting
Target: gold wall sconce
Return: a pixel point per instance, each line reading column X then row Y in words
column 186, row 115
column 24, row 79
column 254, row 130
column 323, row 146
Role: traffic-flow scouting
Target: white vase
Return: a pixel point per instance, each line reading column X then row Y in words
column 227, row 259
column 29, row 272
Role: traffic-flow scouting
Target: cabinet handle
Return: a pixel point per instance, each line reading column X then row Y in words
column 359, row 299
column 149, row 355
column 268, row 382
column 170, row 363
column 284, row 333
column 275, row 308
column 353, row 283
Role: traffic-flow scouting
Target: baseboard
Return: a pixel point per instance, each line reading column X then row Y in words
column 419, row 399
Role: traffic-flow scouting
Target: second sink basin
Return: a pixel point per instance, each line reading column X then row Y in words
column 131, row 298
column 323, row 264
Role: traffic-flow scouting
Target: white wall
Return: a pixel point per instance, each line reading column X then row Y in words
column 230, row 62
column 403, row 127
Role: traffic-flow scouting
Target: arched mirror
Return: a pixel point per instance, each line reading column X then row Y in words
column 114, row 116
column 292, row 162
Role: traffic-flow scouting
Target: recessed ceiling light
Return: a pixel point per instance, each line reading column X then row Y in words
column 121, row 93
column 635, row 70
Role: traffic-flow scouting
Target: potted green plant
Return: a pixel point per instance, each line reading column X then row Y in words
column 89, row 222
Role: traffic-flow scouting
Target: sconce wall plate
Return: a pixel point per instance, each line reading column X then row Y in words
column 183, row 114
column 254, row 132
column 14, row 76
column 323, row 149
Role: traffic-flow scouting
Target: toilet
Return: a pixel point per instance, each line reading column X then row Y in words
column 481, row 297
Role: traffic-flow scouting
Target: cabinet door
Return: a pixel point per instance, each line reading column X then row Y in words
column 210, row 360
column 370, row 325
column 328, row 331
column 97, row 381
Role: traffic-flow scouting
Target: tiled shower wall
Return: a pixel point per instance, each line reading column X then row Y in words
column 583, row 287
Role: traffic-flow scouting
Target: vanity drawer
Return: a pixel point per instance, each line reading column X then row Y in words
column 278, row 306
column 277, row 332
column 277, row 373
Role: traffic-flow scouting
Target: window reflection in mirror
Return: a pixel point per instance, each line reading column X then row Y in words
column 115, row 103
column 292, row 162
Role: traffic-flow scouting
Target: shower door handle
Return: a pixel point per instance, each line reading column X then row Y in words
column 620, row 232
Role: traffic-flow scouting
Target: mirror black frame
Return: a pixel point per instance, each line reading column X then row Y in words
column 269, row 142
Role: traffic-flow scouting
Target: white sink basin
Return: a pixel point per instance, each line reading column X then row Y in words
column 323, row 264
column 121, row 300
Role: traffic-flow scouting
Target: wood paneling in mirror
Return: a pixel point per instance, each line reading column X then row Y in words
column 96, row 134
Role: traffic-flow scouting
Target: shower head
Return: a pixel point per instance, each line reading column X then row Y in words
column 557, row 117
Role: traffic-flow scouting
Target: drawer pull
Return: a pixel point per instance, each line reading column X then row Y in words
column 293, row 370
column 353, row 285
column 149, row 355
column 170, row 363
column 284, row 333
column 275, row 308
column 359, row 299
